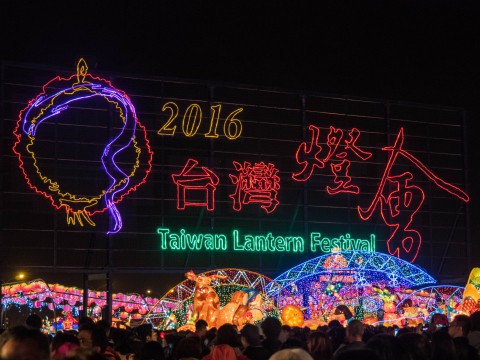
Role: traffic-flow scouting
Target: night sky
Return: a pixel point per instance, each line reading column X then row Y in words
column 418, row 51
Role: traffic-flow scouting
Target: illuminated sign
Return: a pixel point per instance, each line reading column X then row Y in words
column 192, row 118
column 131, row 135
column 201, row 174
column 238, row 242
column 398, row 207
column 399, row 201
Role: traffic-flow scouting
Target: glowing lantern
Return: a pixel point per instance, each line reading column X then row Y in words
column 292, row 315
column 142, row 310
column 14, row 289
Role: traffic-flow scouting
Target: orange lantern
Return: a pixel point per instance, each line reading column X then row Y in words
column 292, row 315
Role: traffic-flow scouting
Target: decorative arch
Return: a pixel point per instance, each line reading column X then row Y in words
column 366, row 267
column 179, row 299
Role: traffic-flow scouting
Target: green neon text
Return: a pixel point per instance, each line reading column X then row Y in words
column 317, row 243
column 183, row 241
column 268, row 243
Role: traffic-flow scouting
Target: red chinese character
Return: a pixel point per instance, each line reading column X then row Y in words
column 399, row 206
column 193, row 183
column 255, row 184
column 337, row 151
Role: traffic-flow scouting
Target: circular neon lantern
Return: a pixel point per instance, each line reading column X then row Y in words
column 59, row 97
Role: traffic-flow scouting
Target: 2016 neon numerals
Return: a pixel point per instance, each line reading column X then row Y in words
column 192, row 118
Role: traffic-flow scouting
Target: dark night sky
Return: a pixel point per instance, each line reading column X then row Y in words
column 420, row 51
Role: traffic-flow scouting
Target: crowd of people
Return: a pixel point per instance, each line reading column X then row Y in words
column 268, row 340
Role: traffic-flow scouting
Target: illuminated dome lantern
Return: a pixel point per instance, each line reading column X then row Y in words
column 359, row 279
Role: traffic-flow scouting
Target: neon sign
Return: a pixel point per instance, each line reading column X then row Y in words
column 313, row 155
column 49, row 106
column 189, row 181
column 343, row 243
column 399, row 206
column 192, row 118
column 255, row 184
column 269, row 243
column 126, row 160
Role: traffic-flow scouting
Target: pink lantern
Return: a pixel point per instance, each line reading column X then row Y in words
column 57, row 300
column 72, row 301
column 37, row 304
column 123, row 315
column 142, row 310
column 67, row 308
column 51, row 306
